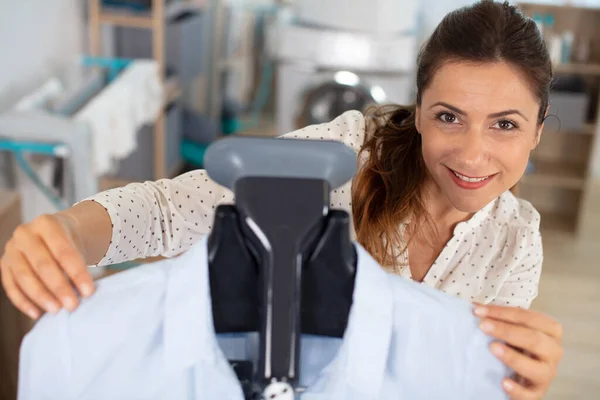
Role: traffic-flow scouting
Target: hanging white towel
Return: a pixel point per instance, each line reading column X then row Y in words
column 116, row 114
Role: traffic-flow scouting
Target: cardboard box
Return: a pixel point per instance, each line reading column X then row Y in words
column 13, row 324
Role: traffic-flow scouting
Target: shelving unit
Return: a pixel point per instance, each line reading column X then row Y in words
column 126, row 18
column 561, row 181
column 220, row 61
column 155, row 21
column 209, row 84
column 552, row 174
column 578, row 68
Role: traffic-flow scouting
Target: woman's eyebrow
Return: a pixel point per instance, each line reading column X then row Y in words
column 455, row 109
column 494, row 115
column 508, row 112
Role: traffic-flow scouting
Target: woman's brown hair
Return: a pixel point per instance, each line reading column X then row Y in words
column 387, row 189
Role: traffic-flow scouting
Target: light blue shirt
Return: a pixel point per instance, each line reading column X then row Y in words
column 148, row 334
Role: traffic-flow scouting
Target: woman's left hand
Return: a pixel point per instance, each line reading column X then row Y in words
column 533, row 347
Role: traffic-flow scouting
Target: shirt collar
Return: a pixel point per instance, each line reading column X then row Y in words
column 475, row 220
column 190, row 335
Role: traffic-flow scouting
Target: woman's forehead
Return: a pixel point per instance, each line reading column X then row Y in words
column 489, row 87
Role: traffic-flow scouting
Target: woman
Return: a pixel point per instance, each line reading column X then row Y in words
column 431, row 200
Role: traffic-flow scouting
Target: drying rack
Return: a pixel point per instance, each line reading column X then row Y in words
column 53, row 132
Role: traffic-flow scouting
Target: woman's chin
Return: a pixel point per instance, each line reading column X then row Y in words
column 470, row 203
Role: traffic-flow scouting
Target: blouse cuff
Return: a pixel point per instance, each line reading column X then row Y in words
column 112, row 256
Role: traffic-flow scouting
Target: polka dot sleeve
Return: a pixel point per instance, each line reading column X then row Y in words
column 160, row 218
column 521, row 286
column 168, row 216
column 349, row 128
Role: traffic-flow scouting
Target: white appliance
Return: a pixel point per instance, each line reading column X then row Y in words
column 322, row 73
column 381, row 17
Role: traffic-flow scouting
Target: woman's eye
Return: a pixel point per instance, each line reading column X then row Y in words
column 505, row 125
column 448, row 118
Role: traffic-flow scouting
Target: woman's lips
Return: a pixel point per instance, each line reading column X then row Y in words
column 470, row 182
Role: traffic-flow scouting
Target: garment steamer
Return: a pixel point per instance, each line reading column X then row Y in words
column 280, row 265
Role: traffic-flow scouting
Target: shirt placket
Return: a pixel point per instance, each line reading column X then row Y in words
column 436, row 274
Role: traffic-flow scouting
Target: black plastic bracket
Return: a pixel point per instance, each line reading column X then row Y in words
column 281, row 263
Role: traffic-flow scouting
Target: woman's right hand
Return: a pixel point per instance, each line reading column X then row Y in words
column 43, row 265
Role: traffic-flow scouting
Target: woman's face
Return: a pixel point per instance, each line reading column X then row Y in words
column 478, row 124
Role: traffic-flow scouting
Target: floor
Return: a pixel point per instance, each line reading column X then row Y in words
column 570, row 292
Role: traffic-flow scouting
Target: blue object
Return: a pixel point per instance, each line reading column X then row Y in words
column 135, row 5
column 198, row 128
column 530, row 169
column 47, row 149
column 148, row 333
column 193, row 153
column 113, row 65
column 549, row 20
column 231, row 126
column 56, row 200
column 18, row 148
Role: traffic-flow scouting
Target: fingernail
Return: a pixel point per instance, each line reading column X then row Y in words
column 497, row 349
column 85, row 289
column 508, row 385
column 33, row 314
column 69, row 303
column 481, row 311
column 52, row 307
column 487, row 326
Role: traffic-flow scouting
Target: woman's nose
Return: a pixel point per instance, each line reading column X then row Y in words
column 473, row 148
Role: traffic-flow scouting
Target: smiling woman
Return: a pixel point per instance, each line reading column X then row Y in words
column 483, row 83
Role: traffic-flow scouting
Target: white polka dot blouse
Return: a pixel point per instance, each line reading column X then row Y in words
column 493, row 258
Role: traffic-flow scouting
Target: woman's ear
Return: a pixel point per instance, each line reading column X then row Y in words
column 538, row 134
column 418, row 119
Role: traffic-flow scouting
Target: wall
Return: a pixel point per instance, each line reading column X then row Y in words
column 37, row 37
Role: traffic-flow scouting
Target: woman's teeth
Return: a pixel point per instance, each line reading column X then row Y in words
column 467, row 179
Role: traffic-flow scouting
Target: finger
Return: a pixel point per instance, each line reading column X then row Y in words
column 30, row 285
column 67, row 256
column 14, row 294
column 45, row 267
column 537, row 372
column 529, row 318
column 533, row 341
column 517, row 391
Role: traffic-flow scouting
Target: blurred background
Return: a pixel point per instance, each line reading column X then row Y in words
column 95, row 94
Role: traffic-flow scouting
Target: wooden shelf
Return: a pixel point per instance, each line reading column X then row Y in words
column 108, row 182
column 568, row 5
column 120, row 17
column 588, row 130
column 578, row 69
column 556, row 174
column 143, row 19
